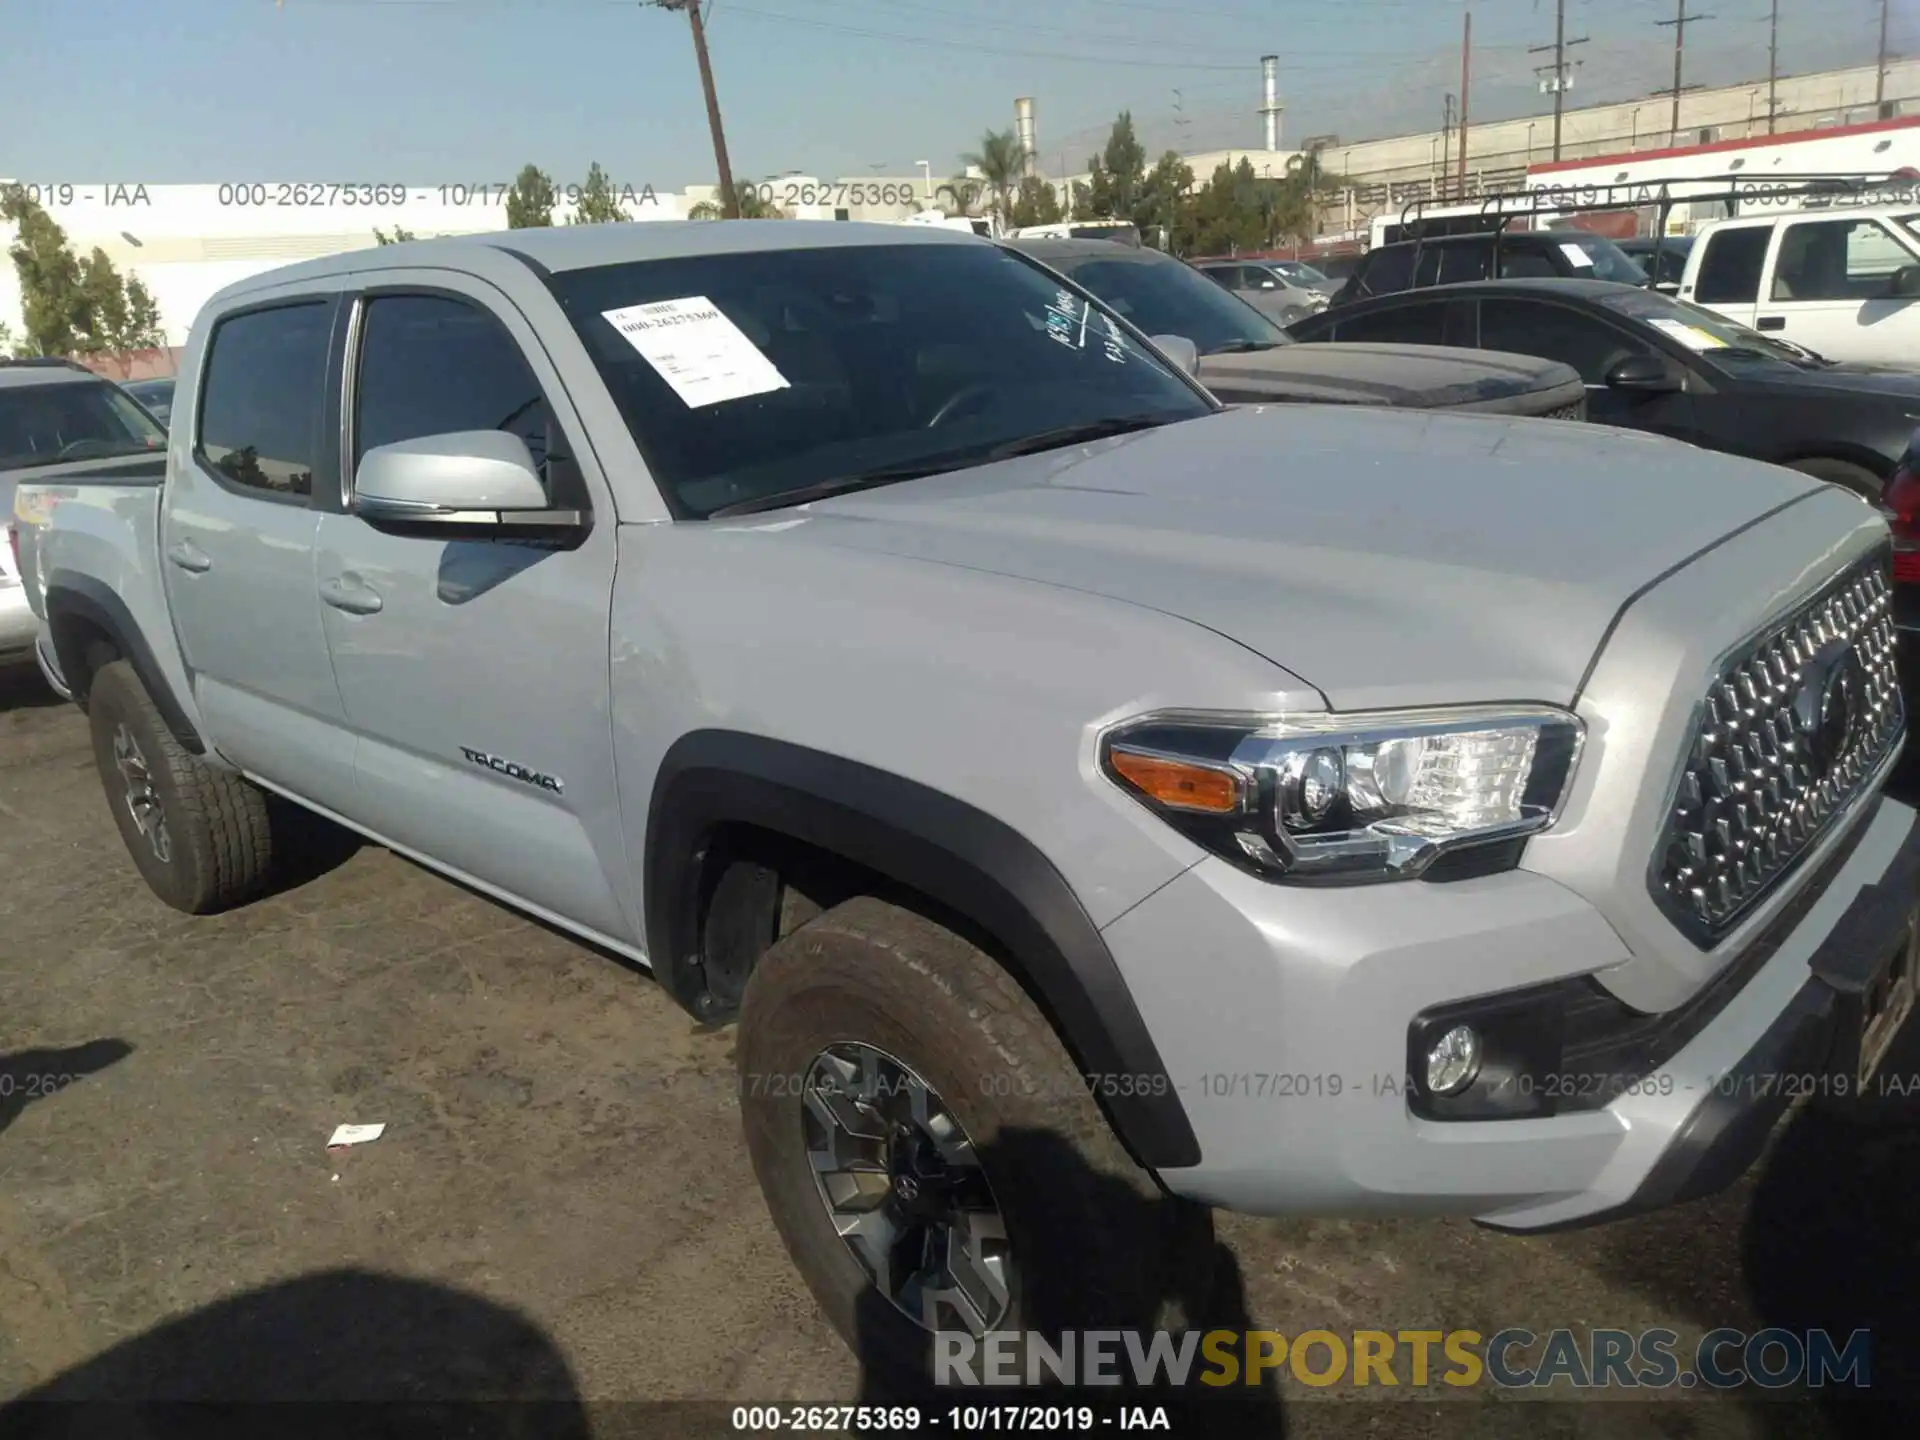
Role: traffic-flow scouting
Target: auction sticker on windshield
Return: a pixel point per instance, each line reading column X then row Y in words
column 1691, row 336
column 697, row 350
column 1577, row 257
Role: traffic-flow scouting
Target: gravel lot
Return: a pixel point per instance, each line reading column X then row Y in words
column 561, row 1207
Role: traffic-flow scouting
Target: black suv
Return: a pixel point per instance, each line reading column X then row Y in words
column 1456, row 259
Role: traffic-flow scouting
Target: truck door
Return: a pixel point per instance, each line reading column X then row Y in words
column 1827, row 289
column 236, row 541
column 475, row 672
column 1727, row 270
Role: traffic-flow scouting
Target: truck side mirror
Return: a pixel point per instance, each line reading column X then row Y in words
column 1180, row 350
column 471, row 484
column 1648, row 374
column 1904, row 283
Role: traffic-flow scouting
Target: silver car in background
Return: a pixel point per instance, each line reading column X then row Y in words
column 1261, row 285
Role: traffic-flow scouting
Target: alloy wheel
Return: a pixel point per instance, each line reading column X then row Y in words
column 905, row 1190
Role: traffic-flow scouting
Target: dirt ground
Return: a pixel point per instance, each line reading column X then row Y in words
column 561, row 1206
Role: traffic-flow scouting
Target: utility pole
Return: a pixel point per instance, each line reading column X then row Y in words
column 1679, row 23
column 1773, row 61
column 729, row 202
column 1880, row 72
column 1446, row 142
column 1466, row 54
column 1558, row 85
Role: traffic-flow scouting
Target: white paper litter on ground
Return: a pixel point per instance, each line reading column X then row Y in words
column 697, row 350
column 344, row 1135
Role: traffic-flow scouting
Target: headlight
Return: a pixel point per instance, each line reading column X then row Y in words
column 1375, row 795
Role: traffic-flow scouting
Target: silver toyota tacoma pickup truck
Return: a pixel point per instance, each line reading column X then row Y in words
column 1076, row 789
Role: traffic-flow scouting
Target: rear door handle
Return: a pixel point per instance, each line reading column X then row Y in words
column 189, row 556
column 351, row 594
column 1771, row 322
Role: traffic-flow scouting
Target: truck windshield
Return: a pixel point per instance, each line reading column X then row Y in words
column 65, row 419
column 1704, row 331
column 752, row 375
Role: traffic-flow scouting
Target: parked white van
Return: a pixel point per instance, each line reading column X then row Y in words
column 1844, row 283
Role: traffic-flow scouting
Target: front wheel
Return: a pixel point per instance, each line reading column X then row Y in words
column 932, row 1157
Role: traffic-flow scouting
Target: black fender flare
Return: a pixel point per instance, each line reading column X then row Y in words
column 939, row 846
column 74, row 596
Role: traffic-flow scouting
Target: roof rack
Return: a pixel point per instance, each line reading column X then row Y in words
column 1497, row 210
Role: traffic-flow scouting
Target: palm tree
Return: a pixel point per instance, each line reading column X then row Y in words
column 1001, row 162
column 962, row 196
column 752, row 206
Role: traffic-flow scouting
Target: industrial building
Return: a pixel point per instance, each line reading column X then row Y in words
column 186, row 241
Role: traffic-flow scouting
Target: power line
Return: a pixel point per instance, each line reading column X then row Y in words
column 1679, row 23
column 1562, row 78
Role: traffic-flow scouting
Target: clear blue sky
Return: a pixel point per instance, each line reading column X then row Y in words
column 445, row 91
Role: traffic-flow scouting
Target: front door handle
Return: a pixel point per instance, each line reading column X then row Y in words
column 351, row 594
column 189, row 556
column 1771, row 322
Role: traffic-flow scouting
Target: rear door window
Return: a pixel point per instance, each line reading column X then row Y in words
column 261, row 398
column 1730, row 265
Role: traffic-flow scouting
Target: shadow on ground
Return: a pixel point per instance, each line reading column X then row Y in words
column 316, row 1350
column 27, row 1076
column 22, row 687
column 1054, row 1294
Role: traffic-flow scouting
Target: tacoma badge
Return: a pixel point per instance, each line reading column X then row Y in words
column 515, row 772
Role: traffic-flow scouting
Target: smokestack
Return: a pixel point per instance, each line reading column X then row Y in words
column 1028, row 136
column 1270, row 106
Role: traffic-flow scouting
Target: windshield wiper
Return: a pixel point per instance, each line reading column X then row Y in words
column 841, row 485
column 1243, row 347
column 1073, row 435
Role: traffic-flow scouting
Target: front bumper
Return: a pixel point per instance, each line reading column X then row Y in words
column 1290, row 1052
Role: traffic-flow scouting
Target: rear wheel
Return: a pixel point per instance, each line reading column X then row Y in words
column 1857, row 478
column 200, row 836
column 932, row 1156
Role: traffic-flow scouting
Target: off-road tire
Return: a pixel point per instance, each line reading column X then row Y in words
column 219, row 850
column 1096, row 1243
column 1857, row 478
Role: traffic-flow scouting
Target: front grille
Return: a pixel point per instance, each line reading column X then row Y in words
column 1576, row 411
column 1762, row 777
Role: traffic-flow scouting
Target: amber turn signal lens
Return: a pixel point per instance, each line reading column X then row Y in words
column 1178, row 784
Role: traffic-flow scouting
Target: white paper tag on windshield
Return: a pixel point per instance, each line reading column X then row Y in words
column 697, row 350
column 1577, row 257
column 1691, row 336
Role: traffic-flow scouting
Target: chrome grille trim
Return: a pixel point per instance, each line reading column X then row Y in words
column 1747, row 804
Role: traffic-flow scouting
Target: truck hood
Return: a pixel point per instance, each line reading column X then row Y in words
column 1391, row 559
column 1417, row 377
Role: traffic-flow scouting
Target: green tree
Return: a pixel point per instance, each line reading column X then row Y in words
column 530, row 201
column 6, row 338
column 598, row 205
column 1037, row 203
column 1118, row 174
column 52, row 304
column 1000, row 162
column 399, row 236
column 1163, row 199
column 752, row 205
column 117, row 314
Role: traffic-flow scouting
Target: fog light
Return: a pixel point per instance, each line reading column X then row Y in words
column 1454, row 1061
